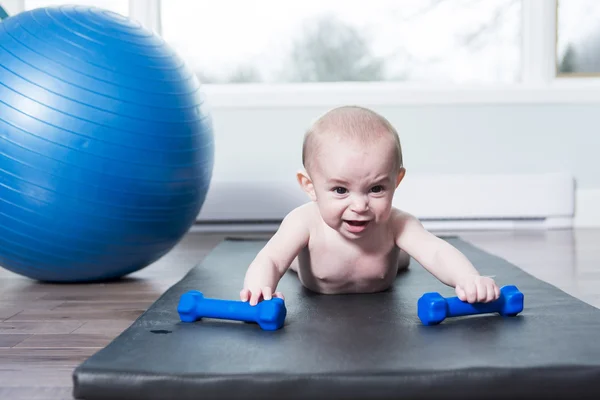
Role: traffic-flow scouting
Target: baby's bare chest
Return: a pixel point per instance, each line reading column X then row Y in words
column 332, row 267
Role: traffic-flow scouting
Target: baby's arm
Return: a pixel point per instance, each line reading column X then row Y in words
column 274, row 259
column 443, row 260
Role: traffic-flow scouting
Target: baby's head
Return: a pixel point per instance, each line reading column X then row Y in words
column 353, row 163
column 352, row 125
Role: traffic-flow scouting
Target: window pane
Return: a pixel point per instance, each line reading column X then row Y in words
column 578, row 37
column 118, row 6
column 449, row 41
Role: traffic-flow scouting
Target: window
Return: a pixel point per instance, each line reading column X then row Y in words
column 262, row 41
column 578, row 37
column 118, row 6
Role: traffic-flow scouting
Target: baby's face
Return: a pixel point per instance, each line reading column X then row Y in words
column 354, row 185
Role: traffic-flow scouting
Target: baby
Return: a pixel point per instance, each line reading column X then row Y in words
column 349, row 238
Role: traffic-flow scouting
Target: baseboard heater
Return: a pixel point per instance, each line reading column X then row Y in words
column 440, row 201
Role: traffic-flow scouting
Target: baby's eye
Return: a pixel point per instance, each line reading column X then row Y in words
column 340, row 190
column 377, row 189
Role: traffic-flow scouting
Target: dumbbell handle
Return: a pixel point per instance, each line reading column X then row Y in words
column 218, row 308
column 456, row 307
column 227, row 309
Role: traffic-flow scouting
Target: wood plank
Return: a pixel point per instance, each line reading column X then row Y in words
column 10, row 308
column 102, row 296
column 111, row 304
column 109, row 288
column 37, row 393
column 13, row 376
column 31, row 327
column 20, row 294
column 37, row 304
column 76, row 314
column 66, row 357
column 13, row 284
column 109, row 328
column 7, row 312
column 65, row 340
column 10, row 340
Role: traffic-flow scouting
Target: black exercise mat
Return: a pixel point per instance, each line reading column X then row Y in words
column 370, row 346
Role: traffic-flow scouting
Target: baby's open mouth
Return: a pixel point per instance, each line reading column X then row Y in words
column 356, row 223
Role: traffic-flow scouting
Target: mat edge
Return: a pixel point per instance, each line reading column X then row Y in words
column 567, row 380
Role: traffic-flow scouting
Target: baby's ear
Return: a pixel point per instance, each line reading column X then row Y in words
column 306, row 184
column 400, row 176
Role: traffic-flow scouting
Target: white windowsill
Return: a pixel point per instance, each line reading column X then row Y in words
column 563, row 91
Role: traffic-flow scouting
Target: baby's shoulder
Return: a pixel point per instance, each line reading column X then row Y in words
column 305, row 214
column 401, row 219
column 398, row 215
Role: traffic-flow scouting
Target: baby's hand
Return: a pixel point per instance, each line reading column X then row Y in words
column 256, row 295
column 477, row 289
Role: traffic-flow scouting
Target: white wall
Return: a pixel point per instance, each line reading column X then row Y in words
column 265, row 144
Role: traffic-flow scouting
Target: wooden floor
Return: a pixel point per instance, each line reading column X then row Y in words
column 47, row 330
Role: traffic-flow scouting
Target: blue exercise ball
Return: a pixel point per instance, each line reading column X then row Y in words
column 106, row 145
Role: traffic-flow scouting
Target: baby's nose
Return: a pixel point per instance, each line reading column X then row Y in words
column 360, row 204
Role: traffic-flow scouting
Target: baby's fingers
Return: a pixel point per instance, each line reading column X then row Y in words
column 244, row 295
column 482, row 291
column 491, row 292
column 471, row 292
column 266, row 292
column 279, row 294
column 255, row 297
column 461, row 293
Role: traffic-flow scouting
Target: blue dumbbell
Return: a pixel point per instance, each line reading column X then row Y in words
column 268, row 314
column 432, row 308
